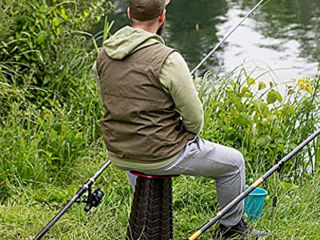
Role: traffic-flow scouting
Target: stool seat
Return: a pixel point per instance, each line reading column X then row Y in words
column 151, row 210
column 139, row 174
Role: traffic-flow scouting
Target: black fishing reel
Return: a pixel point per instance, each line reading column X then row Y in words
column 93, row 199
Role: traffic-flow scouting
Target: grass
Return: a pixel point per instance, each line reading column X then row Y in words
column 32, row 206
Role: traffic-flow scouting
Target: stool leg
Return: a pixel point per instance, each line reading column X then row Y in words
column 151, row 211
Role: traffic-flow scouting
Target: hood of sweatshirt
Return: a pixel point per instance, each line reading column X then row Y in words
column 129, row 40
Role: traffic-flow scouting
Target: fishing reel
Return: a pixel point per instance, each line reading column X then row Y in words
column 93, row 199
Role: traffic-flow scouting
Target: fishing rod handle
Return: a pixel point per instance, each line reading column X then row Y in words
column 60, row 214
column 225, row 209
column 81, row 191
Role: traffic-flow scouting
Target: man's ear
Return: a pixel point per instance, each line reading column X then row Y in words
column 162, row 16
column 128, row 13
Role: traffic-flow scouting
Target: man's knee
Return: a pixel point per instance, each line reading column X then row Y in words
column 239, row 159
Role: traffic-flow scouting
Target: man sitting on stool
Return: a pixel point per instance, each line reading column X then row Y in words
column 153, row 115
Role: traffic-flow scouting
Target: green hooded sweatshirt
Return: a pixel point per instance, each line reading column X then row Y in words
column 175, row 79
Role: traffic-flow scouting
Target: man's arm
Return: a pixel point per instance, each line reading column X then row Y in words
column 176, row 79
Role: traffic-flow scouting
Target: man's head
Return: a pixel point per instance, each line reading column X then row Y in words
column 148, row 14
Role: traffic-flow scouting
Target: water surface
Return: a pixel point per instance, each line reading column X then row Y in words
column 282, row 35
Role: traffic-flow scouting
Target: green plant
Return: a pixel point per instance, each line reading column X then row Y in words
column 49, row 106
column 254, row 117
column 44, row 45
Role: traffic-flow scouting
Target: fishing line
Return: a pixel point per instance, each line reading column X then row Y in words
column 298, row 12
column 226, row 37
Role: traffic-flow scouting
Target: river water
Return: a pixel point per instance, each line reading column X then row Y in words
column 282, row 35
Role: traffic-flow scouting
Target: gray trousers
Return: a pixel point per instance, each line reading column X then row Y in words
column 207, row 159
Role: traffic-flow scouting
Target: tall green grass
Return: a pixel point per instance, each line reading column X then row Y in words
column 49, row 105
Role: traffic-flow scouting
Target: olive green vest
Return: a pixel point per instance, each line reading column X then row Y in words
column 140, row 121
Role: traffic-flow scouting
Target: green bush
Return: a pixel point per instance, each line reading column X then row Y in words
column 44, row 45
column 264, row 124
column 49, row 106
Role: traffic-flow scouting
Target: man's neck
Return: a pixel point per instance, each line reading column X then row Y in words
column 152, row 29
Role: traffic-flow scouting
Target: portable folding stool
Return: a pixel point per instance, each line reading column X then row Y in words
column 151, row 211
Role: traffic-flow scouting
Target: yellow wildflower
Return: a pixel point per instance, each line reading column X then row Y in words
column 304, row 84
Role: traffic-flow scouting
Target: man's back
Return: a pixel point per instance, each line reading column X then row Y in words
column 141, row 122
column 151, row 106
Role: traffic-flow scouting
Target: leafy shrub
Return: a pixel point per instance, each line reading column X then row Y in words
column 43, row 45
column 264, row 124
column 49, row 106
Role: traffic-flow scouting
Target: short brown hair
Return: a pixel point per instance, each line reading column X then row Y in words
column 144, row 10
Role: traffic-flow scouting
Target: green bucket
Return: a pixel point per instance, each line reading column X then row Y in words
column 254, row 202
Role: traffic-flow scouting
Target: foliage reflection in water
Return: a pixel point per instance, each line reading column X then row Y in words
column 282, row 35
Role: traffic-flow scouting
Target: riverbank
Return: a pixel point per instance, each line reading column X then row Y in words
column 24, row 214
column 51, row 141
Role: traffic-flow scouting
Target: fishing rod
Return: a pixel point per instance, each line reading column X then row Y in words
column 240, row 197
column 226, row 37
column 93, row 200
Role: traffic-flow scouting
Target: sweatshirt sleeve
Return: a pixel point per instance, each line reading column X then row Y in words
column 176, row 80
